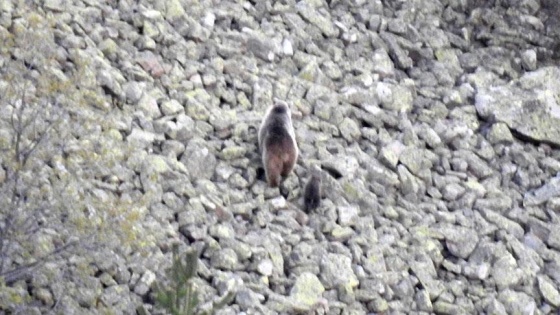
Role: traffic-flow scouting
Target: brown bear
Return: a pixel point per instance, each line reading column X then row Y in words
column 277, row 143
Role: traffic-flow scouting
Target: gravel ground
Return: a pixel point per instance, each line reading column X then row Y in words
column 435, row 125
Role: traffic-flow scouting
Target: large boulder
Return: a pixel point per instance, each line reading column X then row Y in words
column 529, row 105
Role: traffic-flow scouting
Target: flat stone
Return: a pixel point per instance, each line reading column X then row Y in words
column 554, row 239
column 453, row 191
column 382, row 63
column 496, row 307
column 349, row 130
column 149, row 106
column 543, row 194
column 133, row 92
column 517, row 302
column 549, row 291
column 398, row 54
column 390, row 154
column 422, row 299
column 199, row 160
column 144, row 283
column 500, row 133
column 347, row 215
column 265, row 267
column 248, row 299
column 412, row 158
column 174, row 9
column 528, row 105
column 504, row 223
column 172, row 107
column 225, row 259
column 306, row 292
column 345, row 165
column 336, row 270
column 529, row 59
column 477, row 271
column 443, row 307
column 313, row 16
column 505, row 272
column 460, row 241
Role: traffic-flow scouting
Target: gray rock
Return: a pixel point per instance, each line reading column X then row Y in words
column 422, row 299
column 517, row 302
column 261, row 47
column 496, row 307
column 314, row 16
column 225, row 259
column 379, row 305
column 349, row 130
column 199, row 160
column 403, row 288
column 543, row 194
column 503, row 223
column 382, row 63
column 345, row 165
column 87, row 294
column 529, row 59
column 549, row 291
column 425, row 271
column 410, row 185
column 505, row 272
column 554, row 239
column 526, row 105
column 110, row 81
column 336, row 271
column 341, row 233
column 443, row 307
column 358, row 96
column 478, row 166
column 453, row 191
column 348, row 215
column 144, row 283
column 398, row 54
column 477, row 271
column 397, row 26
column 287, row 47
column 500, row 133
column 133, row 92
column 171, row 107
column 306, row 292
column 148, row 104
column 430, row 136
column 246, row 298
column 55, row 5
column 460, row 241
column 222, row 231
column 142, row 139
column 413, row 159
column 265, row 267
column 174, row 9
column 44, row 295
column 114, row 294
column 498, row 204
column 390, row 154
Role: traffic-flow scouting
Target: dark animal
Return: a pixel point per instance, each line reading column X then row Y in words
column 312, row 191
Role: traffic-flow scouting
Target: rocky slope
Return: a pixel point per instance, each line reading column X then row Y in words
column 435, row 123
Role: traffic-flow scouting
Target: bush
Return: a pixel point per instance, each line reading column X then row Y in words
column 179, row 296
column 58, row 149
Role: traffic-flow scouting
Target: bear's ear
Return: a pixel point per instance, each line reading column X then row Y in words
column 278, row 101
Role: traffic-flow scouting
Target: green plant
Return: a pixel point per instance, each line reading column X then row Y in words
column 180, row 297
